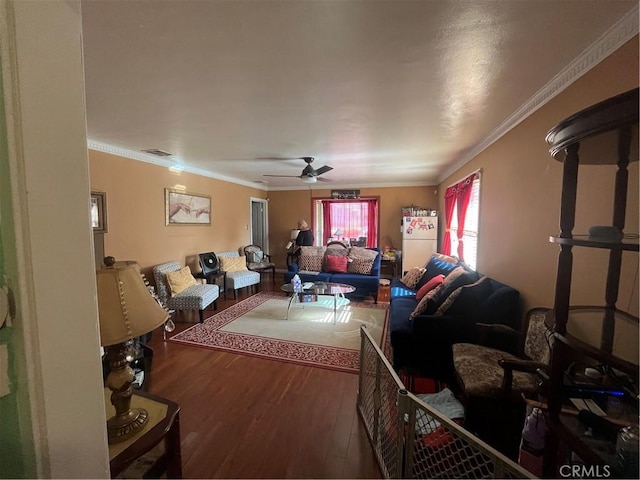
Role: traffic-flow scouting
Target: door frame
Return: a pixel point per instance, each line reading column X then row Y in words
column 46, row 205
column 265, row 221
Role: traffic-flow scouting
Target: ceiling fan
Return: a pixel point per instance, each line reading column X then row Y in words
column 309, row 174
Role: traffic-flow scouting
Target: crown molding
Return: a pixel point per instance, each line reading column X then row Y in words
column 620, row 33
column 345, row 186
column 167, row 162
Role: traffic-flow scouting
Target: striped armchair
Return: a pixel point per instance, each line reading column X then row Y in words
column 237, row 278
column 196, row 297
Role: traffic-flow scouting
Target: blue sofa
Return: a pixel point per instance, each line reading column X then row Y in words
column 422, row 345
column 366, row 285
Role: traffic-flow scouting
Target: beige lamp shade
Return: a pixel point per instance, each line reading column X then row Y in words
column 294, row 234
column 125, row 305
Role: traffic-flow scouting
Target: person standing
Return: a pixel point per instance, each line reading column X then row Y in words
column 305, row 236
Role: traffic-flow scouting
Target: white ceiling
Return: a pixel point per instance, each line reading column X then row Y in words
column 386, row 92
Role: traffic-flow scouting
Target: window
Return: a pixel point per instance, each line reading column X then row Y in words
column 462, row 210
column 355, row 221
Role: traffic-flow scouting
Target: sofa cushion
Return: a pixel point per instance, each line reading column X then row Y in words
column 456, row 278
column 336, row 264
column 451, row 280
column 412, row 277
column 464, row 300
column 241, row 278
column 400, row 313
column 422, row 305
column 335, row 250
column 311, row 258
column 196, row 296
column 359, row 265
column 362, row 252
column 310, row 262
column 233, row 264
column 478, row 369
column 180, row 280
column 361, row 260
column 502, row 306
column 430, row 285
column 399, row 289
column 437, row 266
column 312, row 250
column 365, row 284
column 446, row 258
column 375, row 269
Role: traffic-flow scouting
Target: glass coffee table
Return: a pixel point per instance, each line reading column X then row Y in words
column 311, row 290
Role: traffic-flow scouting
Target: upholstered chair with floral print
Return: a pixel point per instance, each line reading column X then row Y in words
column 493, row 382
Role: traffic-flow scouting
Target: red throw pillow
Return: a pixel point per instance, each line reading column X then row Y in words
column 430, row 285
column 336, row 264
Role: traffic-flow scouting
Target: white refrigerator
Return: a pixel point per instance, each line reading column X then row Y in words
column 419, row 241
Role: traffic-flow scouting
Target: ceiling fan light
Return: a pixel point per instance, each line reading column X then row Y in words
column 309, row 180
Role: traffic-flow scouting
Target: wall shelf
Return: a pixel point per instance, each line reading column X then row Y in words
column 630, row 245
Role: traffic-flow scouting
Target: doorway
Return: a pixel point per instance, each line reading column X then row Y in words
column 259, row 223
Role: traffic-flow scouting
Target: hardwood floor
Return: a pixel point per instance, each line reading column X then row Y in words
column 245, row 417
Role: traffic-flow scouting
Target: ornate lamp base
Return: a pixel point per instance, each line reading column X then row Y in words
column 122, row 427
column 127, row 421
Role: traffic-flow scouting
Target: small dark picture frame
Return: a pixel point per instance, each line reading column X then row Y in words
column 98, row 206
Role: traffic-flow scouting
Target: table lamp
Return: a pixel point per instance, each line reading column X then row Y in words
column 126, row 310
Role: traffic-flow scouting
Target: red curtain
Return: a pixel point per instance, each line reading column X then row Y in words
column 349, row 219
column 449, row 205
column 457, row 195
column 372, row 225
column 464, row 196
column 326, row 221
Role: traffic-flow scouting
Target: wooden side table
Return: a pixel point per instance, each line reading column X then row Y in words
column 389, row 267
column 163, row 425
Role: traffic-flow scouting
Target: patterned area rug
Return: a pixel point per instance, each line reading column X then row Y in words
column 259, row 326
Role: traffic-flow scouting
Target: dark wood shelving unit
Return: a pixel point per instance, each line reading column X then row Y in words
column 630, row 244
column 604, row 134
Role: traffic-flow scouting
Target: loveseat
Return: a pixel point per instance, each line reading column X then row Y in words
column 356, row 266
column 423, row 330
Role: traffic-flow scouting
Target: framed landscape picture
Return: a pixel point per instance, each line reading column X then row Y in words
column 98, row 206
column 183, row 208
